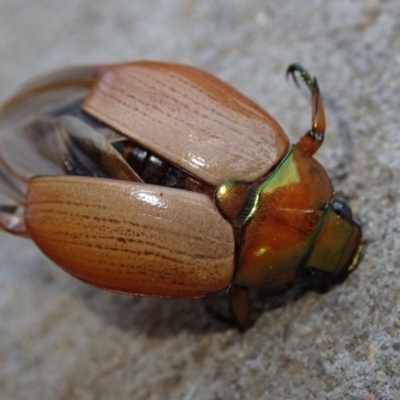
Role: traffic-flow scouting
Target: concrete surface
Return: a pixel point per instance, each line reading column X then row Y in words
column 60, row 339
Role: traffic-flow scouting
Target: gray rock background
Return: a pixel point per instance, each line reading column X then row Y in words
column 60, row 339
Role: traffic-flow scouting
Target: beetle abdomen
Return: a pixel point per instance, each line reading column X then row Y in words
column 150, row 168
column 155, row 171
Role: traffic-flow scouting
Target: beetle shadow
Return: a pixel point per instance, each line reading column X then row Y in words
column 163, row 318
column 156, row 317
column 261, row 302
column 264, row 302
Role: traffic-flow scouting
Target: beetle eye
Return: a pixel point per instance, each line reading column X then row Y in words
column 342, row 209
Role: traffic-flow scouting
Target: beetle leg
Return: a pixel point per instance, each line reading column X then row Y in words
column 313, row 139
column 12, row 221
column 240, row 305
column 239, row 308
column 11, row 201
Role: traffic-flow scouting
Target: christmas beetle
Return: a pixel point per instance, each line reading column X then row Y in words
column 156, row 179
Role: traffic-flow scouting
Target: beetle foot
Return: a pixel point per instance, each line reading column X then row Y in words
column 293, row 68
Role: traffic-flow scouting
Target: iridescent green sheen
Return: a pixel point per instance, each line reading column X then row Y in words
column 287, row 214
column 335, row 245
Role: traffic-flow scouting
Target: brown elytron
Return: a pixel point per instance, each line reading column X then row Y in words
column 190, row 118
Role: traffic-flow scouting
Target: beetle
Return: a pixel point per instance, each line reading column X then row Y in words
column 157, row 179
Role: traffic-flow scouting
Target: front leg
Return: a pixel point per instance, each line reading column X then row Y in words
column 240, row 306
column 313, row 138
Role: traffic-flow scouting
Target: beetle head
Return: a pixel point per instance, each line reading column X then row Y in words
column 337, row 248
